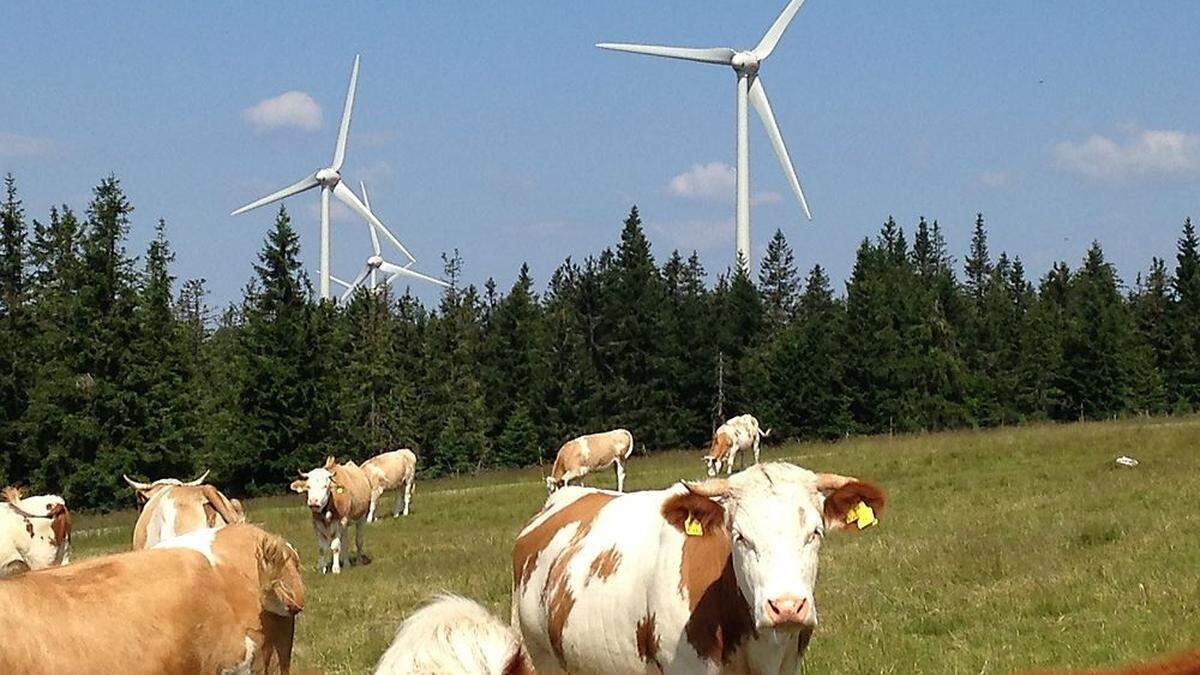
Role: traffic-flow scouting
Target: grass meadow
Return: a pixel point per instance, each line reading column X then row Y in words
column 1001, row 550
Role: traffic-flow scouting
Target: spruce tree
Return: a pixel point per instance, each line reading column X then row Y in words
column 1185, row 319
column 778, row 283
column 16, row 331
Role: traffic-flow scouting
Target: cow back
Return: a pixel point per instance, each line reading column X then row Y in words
column 352, row 497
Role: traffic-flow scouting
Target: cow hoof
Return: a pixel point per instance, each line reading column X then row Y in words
column 364, row 559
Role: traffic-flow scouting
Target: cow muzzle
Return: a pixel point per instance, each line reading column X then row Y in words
column 790, row 610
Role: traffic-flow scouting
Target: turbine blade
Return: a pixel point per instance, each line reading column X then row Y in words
column 339, row 153
column 353, row 285
column 719, row 55
column 396, row 271
column 350, row 199
column 767, row 44
column 343, row 284
column 758, row 98
column 370, row 228
column 307, row 183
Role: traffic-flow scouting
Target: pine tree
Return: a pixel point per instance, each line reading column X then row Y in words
column 690, row 352
column 1185, row 319
column 16, row 331
column 978, row 264
column 778, row 283
column 518, row 443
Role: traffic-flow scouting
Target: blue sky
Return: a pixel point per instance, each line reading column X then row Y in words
column 499, row 129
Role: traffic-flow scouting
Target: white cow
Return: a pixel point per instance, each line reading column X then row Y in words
column 338, row 495
column 707, row 577
column 594, row 452
column 35, row 532
column 454, row 635
column 396, row 470
column 736, row 435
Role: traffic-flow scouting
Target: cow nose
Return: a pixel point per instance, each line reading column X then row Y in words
column 787, row 609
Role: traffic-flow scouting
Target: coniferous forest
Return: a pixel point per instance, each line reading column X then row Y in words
column 109, row 364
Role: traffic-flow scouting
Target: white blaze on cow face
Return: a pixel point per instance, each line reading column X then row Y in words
column 320, row 488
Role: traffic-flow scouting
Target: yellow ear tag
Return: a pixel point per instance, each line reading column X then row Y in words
column 863, row 515
column 340, row 489
column 692, row 527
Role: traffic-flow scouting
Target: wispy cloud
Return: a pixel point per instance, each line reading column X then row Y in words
column 714, row 182
column 17, row 145
column 291, row 109
column 994, row 179
column 375, row 173
column 1140, row 152
column 696, row 234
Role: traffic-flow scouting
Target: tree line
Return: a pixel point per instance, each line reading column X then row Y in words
column 111, row 365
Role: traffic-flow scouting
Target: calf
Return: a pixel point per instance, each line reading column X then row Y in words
column 212, row 601
column 716, row 576
column 454, row 635
column 35, row 532
column 739, row 434
column 171, row 510
column 594, row 452
column 338, row 495
column 396, row 470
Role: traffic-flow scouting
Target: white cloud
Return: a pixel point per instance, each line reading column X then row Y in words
column 994, row 178
column 1142, row 152
column 714, row 182
column 294, row 109
column 699, row 235
column 16, row 145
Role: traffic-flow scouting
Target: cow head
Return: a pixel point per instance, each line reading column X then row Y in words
column 319, row 484
column 776, row 516
column 721, row 444
column 144, row 491
column 279, row 576
column 553, row 484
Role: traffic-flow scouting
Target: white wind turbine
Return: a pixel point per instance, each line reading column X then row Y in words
column 376, row 263
column 329, row 179
column 749, row 89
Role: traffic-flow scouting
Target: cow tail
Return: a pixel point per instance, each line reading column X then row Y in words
column 629, row 436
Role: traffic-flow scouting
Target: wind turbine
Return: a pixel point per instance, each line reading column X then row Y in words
column 749, row 90
column 376, row 263
column 329, row 179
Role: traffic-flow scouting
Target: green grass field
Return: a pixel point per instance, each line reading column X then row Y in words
column 1001, row 550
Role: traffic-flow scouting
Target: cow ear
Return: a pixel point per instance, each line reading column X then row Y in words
column 842, row 509
column 330, row 462
column 299, row 485
column 692, row 509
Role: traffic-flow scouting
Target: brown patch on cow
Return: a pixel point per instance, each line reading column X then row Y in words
column 518, row 664
column 60, row 524
column 559, row 606
column 721, row 444
column 839, row 502
column 647, row 641
column 28, row 526
column 604, row 565
column 531, row 544
column 720, row 618
column 678, row 508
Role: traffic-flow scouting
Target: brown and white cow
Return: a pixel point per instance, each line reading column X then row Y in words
column 338, row 495
column 173, row 508
column 594, row 452
column 35, row 532
column 396, row 470
column 736, row 435
column 143, row 491
column 454, row 635
column 716, row 576
column 211, row 601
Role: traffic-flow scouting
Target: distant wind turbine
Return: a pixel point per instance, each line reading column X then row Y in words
column 749, row 90
column 329, row 179
column 376, row 263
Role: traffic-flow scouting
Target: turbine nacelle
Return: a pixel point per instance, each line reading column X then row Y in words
column 745, row 62
column 375, row 262
column 328, row 177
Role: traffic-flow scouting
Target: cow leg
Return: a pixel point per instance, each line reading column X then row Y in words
column 358, row 541
column 406, row 494
column 620, row 475
column 375, row 493
column 336, row 547
column 729, row 462
column 757, row 447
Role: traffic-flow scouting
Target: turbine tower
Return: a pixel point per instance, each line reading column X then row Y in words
column 750, row 91
column 376, row 263
column 329, row 179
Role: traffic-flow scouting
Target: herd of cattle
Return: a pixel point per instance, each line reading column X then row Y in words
column 708, row 576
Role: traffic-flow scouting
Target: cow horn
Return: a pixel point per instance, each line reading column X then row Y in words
column 712, row 488
column 199, row 480
column 828, row 482
column 303, row 474
column 330, row 462
column 140, row 487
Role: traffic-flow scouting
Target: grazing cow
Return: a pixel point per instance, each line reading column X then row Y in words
column 454, row 635
column 211, row 601
column 396, row 470
column 739, row 434
column 715, row 576
column 143, row 491
column 338, row 495
column 594, row 452
column 35, row 532
column 173, row 509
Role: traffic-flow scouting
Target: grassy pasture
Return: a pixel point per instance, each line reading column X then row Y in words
column 1001, row 550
